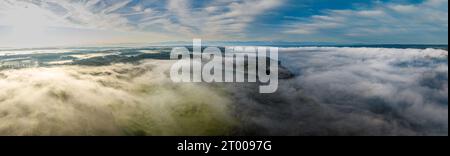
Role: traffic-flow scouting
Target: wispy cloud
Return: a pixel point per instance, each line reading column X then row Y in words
column 427, row 19
column 405, row 21
column 217, row 17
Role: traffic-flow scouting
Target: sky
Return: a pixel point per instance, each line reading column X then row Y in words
column 29, row 23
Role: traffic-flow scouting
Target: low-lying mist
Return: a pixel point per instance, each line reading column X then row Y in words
column 335, row 91
column 122, row 99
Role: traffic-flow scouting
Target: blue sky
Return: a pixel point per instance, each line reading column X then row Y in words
column 59, row 22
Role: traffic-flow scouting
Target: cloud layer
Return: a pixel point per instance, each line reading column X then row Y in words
column 121, row 99
column 352, row 91
column 336, row 91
